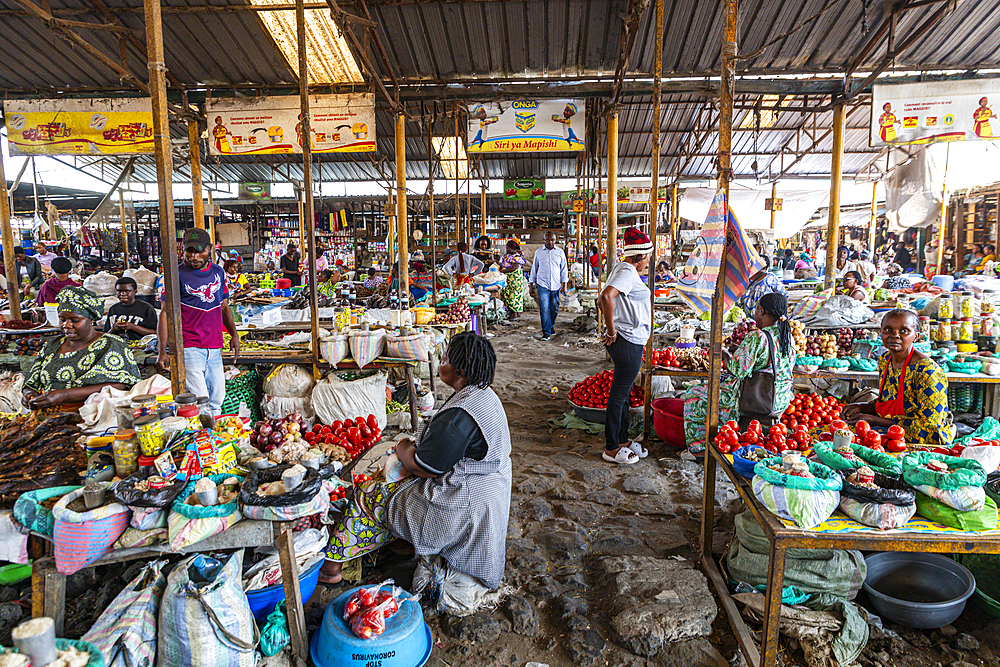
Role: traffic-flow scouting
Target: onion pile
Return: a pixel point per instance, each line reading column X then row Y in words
column 740, row 332
column 458, row 312
column 273, row 433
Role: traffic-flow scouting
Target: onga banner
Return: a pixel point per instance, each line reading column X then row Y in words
column 524, row 189
column 527, row 126
column 79, row 127
column 272, row 125
column 926, row 113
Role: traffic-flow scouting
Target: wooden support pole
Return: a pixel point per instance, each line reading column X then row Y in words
column 836, row 176
column 612, row 189
column 402, row 232
column 194, row 143
column 430, row 190
column 482, row 209
column 654, row 203
column 729, row 50
column 579, row 232
column 164, row 179
column 7, row 237
column 774, row 198
column 390, row 228
column 675, row 217
column 308, row 218
column 458, row 237
column 293, row 594
column 121, row 216
column 211, row 218
column 943, row 223
column 873, row 222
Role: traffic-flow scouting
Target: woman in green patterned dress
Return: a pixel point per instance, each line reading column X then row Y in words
column 512, row 265
column 82, row 361
column 752, row 355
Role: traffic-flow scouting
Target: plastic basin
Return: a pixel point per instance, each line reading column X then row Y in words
column 262, row 600
column 668, row 421
column 593, row 415
column 918, row 590
column 406, row 642
column 944, row 281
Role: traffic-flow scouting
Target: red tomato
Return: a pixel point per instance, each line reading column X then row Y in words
column 872, row 439
column 337, row 425
column 896, row 432
column 309, row 437
column 862, row 428
column 895, row 446
column 733, row 425
column 755, row 426
column 835, row 424
column 372, row 422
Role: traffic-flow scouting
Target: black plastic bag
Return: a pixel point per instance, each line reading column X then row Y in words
column 891, row 491
column 304, row 493
column 126, row 493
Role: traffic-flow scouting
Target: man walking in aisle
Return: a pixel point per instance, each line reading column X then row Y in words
column 204, row 314
column 549, row 274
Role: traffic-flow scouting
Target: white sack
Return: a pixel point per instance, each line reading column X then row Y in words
column 334, row 399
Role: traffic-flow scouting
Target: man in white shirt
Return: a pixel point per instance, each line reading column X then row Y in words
column 44, row 256
column 549, row 274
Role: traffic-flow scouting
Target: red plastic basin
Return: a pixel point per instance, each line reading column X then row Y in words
column 668, row 421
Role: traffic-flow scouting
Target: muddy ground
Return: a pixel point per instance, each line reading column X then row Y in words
column 587, row 541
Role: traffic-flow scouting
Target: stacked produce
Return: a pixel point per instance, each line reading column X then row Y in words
column 367, row 608
column 693, row 359
column 354, row 436
column 799, row 337
column 740, row 332
column 846, row 338
column 667, row 357
column 457, row 313
column 17, row 324
column 811, row 410
column 592, row 392
column 729, row 438
column 822, row 345
column 38, row 455
column 28, row 345
column 248, row 344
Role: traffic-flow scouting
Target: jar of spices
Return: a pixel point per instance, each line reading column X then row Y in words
column 190, row 413
column 125, row 449
column 956, row 329
column 143, row 405
column 925, row 327
column 150, row 432
column 934, row 332
column 965, row 331
column 946, row 307
column 985, row 326
column 944, row 330
column 988, row 303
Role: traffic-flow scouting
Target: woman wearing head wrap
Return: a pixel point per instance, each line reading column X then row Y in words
column 512, row 265
column 805, row 268
column 82, row 361
column 772, row 336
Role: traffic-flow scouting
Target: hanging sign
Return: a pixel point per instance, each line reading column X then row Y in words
column 526, row 126
column 272, row 125
column 259, row 191
column 523, row 189
column 925, row 113
column 639, row 195
column 79, row 127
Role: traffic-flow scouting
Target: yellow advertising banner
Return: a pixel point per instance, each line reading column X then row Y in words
column 272, row 125
column 75, row 127
column 526, row 126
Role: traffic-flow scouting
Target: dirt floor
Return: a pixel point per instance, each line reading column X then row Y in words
column 588, row 544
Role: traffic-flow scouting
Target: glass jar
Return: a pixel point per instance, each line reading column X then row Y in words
column 903, row 301
column 925, row 327
column 967, row 309
column 190, row 412
column 933, row 333
column 150, row 432
column 125, row 449
column 956, row 329
column 944, row 330
column 946, row 307
column 986, row 325
column 143, row 405
column 965, row 329
column 185, row 399
column 988, row 303
column 205, row 413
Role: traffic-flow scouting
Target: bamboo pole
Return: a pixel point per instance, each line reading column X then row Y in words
column 872, row 223
column 482, row 209
column 579, row 232
column 164, row 179
column 654, row 199
column 308, row 220
column 729, row 50
column 836, row 176
column 612, row 189
column 944, row 214
column 674, row 223
column 402, row 233
column 7, row 236
column 194, row 144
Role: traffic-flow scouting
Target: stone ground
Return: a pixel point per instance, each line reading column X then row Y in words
column 602, row 559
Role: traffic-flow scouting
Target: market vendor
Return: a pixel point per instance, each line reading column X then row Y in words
column 81, row 362
column 455, row 498
column 512, row 266
column 29, row 271
column 761, row 283
column 805, row 268
column 236, row 282
column 463, row 266
column 130, row 318
column 852, row 286
column 913, row 390
column 290, row 266
column 50, row 288
column 484, row 252
column 896, row 280
column 753, row 354
column 663, row 273
column 326, row 284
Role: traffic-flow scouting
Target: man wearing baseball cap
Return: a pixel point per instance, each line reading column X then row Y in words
column 204, row 314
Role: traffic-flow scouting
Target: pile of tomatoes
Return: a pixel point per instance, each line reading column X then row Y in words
column 810, row 411
column 592, row 392
column 355, row 435
column 341, row 491
column 729, row 439
column 894, row 441
column 667, row 357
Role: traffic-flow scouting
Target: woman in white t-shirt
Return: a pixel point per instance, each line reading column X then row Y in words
column 627, row 309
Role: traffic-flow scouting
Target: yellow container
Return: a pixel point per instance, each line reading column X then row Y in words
column 423, row 315
column 151, row 435
column 966, row 347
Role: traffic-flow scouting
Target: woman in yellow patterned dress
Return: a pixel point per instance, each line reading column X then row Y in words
column 913, row 390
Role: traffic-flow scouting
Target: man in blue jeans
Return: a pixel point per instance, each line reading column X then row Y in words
column 549, row 275
column 204, row 314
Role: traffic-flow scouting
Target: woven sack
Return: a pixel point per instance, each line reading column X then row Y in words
column 82, row 538
column 878, row 461
column 366, row 346
column 414, row 346
column 884, row 516
column 28, row 510
column 125, row 633
column 963, row 498
column 810, row 305
column 188, row 524
column 965, row 472
column 938, row 512
column 335, row 348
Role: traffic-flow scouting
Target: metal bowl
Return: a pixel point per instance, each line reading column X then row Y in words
column 593, row 415
column 916, row 589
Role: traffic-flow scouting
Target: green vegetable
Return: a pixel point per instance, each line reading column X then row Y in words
column 735, row 314
column 393, row 406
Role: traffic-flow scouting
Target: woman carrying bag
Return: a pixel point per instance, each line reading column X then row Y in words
column 627, row 310
column 758, row 382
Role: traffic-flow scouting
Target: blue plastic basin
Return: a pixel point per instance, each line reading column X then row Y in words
column 262, row 600
column 406, row 642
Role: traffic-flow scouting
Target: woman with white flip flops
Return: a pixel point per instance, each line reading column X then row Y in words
column 627, row 310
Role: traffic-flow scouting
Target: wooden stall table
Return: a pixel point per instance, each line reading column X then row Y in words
column 782, row 537
column 48, row 587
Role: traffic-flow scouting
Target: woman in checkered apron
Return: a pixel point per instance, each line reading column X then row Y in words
column 455, row 501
